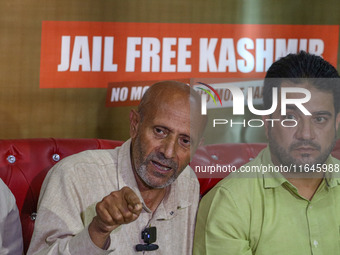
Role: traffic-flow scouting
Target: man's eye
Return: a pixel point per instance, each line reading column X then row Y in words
column 159, row 131
column 185, row 142
column 289, row 117
column 320, row 120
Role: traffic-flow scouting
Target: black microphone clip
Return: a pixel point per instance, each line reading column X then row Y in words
column 149, row 236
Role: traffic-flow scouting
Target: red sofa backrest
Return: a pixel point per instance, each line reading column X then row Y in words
column 232, row 154
column 24, row 164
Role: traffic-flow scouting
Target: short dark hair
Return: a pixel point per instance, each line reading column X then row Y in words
column 305, row 66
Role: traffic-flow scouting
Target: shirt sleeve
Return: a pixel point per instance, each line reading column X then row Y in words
column 10, row 226
column 221, row 227
column 59, row 228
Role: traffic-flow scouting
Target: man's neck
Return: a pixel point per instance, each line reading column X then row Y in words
column 153, row 197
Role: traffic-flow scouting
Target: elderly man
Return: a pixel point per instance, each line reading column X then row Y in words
column 290, row 213
column 100, row 202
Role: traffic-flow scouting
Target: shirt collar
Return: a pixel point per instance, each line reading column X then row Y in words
column 332, row 177
column 175, row 200
column 271, row 179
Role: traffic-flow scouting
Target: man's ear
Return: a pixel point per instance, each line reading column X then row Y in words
column 134, row 122
column 337, row 121
column 266, row 124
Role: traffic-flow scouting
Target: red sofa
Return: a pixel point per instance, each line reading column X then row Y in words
column 25, row 162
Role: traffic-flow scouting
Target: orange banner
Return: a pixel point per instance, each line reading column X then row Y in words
column 94, row 54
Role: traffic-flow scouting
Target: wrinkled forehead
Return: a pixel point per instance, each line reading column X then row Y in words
column 188, row 100
column 168, row 100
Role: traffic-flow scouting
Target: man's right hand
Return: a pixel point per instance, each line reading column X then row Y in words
column 119, row 207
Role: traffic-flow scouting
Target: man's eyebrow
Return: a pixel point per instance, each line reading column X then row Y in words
column 322, row 113
column 291, row 107
column 161, row 126
column 171, row 130
column 187, row 136
column 318, row 113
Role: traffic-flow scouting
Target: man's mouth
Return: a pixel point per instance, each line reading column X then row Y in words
column 306, row 148
column 161, row 166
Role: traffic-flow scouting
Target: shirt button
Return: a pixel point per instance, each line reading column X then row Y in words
column 310, row 207
column 315, row 243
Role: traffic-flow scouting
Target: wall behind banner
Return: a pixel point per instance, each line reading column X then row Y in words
column 28, row 111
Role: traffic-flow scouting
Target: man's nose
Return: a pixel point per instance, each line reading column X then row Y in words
column 168, row 147
column 305, row 130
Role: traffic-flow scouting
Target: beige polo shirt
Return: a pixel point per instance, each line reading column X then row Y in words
column 74, row 186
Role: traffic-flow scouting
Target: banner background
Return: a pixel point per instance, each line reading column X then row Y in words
column 27, row 111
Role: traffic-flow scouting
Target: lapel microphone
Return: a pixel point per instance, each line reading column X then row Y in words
column 149, row 236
